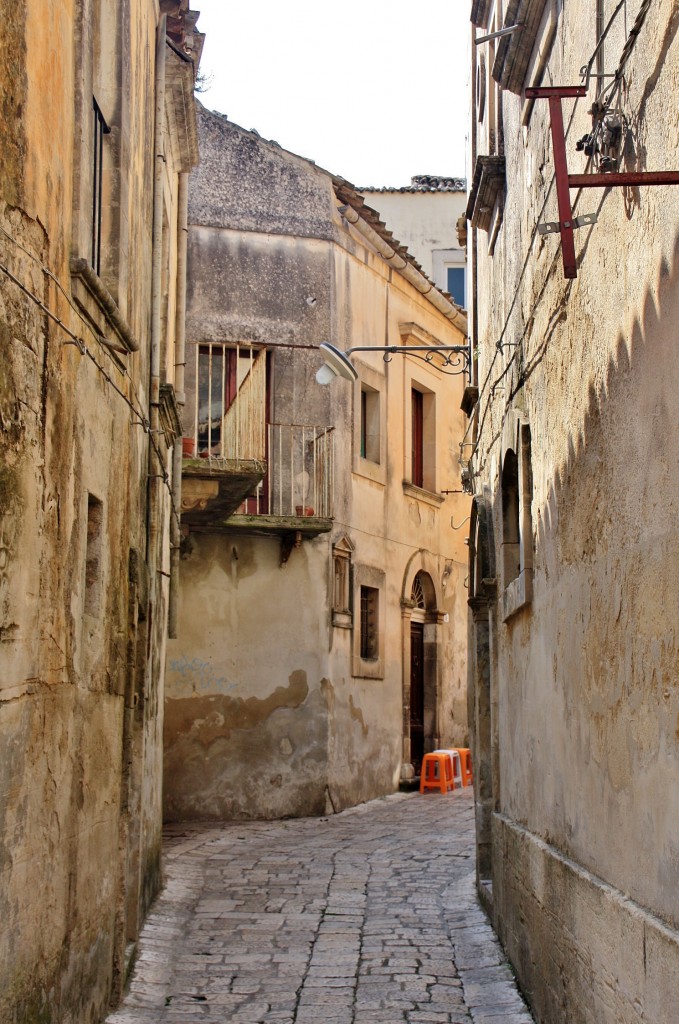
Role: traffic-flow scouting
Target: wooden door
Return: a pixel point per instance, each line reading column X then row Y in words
column 416, row 694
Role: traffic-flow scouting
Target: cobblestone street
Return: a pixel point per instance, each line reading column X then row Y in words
column 367, row 917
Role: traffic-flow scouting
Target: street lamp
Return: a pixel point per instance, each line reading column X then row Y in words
column 338, row 364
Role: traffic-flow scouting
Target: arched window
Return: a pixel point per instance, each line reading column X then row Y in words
column 516, row 482
column 511, row 553
column 417, row 594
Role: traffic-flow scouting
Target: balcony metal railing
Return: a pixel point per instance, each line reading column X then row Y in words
column 300, row 472
column 298, row 459
column 240, row 433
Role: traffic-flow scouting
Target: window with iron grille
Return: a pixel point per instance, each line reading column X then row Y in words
column 369, row 623
column 367, row 646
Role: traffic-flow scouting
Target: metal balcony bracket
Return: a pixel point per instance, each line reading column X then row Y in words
column 565, row 181
column 553, row 227
column 289, row 541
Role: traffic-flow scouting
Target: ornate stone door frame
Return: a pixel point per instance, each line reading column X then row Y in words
column 421, row 602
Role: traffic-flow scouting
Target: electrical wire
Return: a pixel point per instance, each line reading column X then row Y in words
column 499, row 343
column 586, row 69
column 122, row 369
column 392, row 540
column 606, row 97
column 75, row 339
column 630, row 43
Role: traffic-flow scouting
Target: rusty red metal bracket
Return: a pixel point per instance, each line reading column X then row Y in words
column 565, row 181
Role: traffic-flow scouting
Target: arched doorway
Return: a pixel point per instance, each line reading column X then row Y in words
column 417, row 675
column 482, row 598
column 420, row 668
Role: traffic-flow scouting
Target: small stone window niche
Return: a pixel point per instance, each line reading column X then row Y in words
column 342, row 550
column 93, row 556
column 516, row 482
column 370, row 424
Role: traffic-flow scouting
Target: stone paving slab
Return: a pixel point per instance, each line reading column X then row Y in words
column 366, row 917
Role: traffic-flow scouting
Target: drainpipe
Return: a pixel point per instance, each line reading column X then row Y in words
column 180, row 324
column 155, row 467
column 175, row 539
column 407, row 270
column 180, row 361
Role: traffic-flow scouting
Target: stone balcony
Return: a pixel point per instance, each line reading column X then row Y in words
column 213, row 488
column 289, row 494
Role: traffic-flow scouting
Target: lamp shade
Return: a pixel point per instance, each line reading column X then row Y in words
column 336, row 364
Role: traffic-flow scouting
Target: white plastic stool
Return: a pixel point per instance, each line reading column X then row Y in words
column 455, row 765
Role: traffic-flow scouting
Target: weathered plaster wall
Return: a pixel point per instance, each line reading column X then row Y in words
column 260, row 187
column 61, row 669
column 586, row 713
column 79, row 698
column 246, row 717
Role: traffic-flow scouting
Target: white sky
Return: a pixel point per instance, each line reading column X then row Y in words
column 375, row 91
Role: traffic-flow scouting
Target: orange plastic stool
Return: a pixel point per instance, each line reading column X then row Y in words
column 436, row 773
column 454, row 756
column 466, row 765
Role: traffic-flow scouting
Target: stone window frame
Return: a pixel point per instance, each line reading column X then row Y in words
column 101, row 184
column 342, row 603
column 516, row 534
column 368, row 668
column 485, row 207
column 102, row 81
column 425, row 380
column 542, row 48
column 99, row 86
column 481, row 543
column 444, row 260
column 428, row 491
column 515, row 51
column 373, row 381
column 371, row 440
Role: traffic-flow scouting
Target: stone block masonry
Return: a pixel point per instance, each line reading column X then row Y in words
column 367, row 917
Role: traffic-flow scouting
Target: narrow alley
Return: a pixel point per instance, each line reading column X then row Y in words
column 366, row 917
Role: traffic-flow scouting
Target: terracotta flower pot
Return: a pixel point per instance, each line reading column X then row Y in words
column 188, row 447
column 303, row 510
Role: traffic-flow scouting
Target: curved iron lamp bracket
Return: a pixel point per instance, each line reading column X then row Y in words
column 455, row 358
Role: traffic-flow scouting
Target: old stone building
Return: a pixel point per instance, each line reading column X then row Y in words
column 572, row 454
column 322, row 635
column 98, row 137
column 424, row 216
